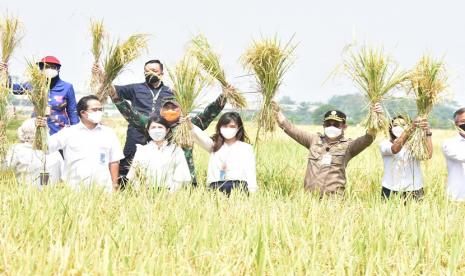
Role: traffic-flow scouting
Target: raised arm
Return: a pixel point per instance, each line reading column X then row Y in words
column 132, row 116
column 361, row 143
column 202, row 139
column 300, row 136
column 204, row 119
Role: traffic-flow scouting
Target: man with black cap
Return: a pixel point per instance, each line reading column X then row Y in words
column 62, row 100
column 146, row 98
column 171, row 112
column 329, row 153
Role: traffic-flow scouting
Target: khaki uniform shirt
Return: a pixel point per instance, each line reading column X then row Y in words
column 327, row 162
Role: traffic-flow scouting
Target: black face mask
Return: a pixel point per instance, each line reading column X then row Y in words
column 462, row 127
column 151, row 79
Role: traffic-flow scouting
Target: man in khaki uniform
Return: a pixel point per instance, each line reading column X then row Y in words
column 329, row 153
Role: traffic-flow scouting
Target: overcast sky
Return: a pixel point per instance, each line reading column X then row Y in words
column 406, row 29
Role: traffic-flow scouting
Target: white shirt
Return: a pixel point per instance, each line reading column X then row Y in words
column 27, row 164
column 87, row 153
column 160, row 167
column 401, row 172
column 237, row 160
column 454, row 151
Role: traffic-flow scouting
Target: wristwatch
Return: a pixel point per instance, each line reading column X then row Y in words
column 429, row 134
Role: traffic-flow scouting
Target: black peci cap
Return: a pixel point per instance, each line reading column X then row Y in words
column 335, row 115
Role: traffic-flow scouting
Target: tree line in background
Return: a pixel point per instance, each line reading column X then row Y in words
column 354, row 105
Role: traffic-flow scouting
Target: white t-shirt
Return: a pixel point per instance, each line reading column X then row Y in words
column 160, row 167
column 27, row 164
column 87, row 153
column 454, row 151
column 238, row 159
column 401, row 172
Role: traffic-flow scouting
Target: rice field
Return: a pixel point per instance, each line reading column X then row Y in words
column 281, row 230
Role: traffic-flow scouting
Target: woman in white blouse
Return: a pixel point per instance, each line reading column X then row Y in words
column 232, row 159
column 402, row 173
column 28, row 163
column 160, row 163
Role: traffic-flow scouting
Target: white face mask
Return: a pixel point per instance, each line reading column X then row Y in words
column 51, row 73
column 333, row 132
column 228, row 132
column 397, row 131
column 157, row 134
column 95, row 117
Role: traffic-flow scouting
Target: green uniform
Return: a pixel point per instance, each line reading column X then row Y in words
column 202, row 120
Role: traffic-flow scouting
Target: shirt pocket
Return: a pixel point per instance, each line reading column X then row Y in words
column 338, row 158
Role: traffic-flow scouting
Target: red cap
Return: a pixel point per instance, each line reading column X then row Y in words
column 50, row 59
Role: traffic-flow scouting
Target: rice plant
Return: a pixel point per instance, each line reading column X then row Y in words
column 118, row 56
column 188, row 83
column 427, row 81
column 210, row 62
column 375, row 74
column 98, row 34
column 269, row 59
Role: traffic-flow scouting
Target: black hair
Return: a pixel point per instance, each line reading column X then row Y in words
column 154, row 61
column 82, row 104
column 225, row 119
column 393, row 137
column 460, row 111
column 162, row 121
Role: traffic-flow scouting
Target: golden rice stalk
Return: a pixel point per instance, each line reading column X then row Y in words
column 269, row 60
column 427, row 81
column 188, row 83
column 98, row 33
column 375, row 74
column 11, row 35
column 38, row 96
column 119, row 55
column 210, row 62
column 10, row 38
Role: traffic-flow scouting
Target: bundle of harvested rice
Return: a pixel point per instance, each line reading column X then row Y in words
column 188, row 83
column 210, row 62
column 269, row 60
column 427, row 81
column 376, row 75
column 119, row 55
column 98, row 33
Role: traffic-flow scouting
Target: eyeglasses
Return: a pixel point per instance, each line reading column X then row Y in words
column 333, row 123
column 95, row 109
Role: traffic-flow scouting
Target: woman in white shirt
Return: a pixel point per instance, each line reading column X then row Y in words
column 28, row 163
column 160, row 163
column 402, row 173
column 232, row 160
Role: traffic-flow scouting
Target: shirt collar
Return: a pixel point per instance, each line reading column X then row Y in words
column 82, row 126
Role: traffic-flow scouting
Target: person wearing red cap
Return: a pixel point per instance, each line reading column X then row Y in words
column 62, row 100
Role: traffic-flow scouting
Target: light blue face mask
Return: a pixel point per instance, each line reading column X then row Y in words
column 157, row 134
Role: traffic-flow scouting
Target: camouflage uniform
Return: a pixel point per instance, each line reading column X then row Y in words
column 202, row 120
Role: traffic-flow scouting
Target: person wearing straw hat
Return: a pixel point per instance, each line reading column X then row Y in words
column 27, row 163
column 91, row 150
column 171, row 112
column 146, row 98
column 62, row 100
column 330, row 152
column 402, row 172
column 454, row 151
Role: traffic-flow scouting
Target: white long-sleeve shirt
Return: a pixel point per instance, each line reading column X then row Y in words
column 160, row 167
column 87, row 154
column 27, row 164
column 454, row 151
column 401, row 172
column 237, row 160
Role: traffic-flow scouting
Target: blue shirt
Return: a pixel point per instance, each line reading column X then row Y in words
column 62, row 102
column 143, row 98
